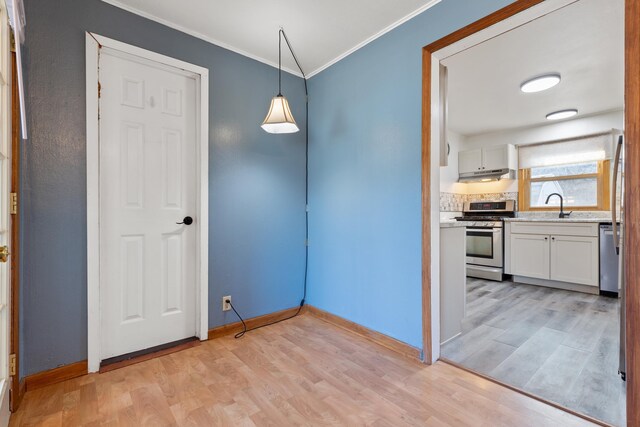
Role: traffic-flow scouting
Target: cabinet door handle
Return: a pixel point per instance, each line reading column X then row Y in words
column 546, row 238
column 553, row 238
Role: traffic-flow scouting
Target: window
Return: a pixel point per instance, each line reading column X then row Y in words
column 583, row 186
column 579, row 169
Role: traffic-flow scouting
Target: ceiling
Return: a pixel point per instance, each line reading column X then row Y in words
column 584, row 42
column 321, row 32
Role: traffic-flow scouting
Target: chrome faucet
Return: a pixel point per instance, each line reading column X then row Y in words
column 562, row 214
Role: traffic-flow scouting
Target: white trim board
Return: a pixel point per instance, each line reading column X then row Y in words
column 528, row 15
column 152, row 17
column 93, row 44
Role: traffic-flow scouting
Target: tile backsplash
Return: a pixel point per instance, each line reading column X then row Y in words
column 453, row 202
column 492, row 197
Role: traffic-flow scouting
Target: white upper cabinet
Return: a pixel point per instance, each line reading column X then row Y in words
column 469, row 161
column 499, row 157
column 487, row 159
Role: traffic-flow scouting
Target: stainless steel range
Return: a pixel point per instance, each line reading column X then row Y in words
column 485, row 237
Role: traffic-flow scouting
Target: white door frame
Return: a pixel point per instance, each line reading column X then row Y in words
column 94, row 43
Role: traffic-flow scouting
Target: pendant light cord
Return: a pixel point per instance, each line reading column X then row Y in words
column 306, row 186
column 280, row 62
column 306, row 166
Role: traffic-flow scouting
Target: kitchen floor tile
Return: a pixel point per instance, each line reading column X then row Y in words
column 562, row 346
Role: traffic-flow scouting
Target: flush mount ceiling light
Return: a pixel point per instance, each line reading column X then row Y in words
column 540, row 83
column 562, row 114
column 279, row 118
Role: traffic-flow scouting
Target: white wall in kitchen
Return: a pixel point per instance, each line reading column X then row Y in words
column 449, row 174
column 549, row 132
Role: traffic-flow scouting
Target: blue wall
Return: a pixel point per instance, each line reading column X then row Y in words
column 365, row 217
column 365, row 175
column 256, row 180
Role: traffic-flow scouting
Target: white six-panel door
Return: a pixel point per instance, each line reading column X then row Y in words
column 147, row 184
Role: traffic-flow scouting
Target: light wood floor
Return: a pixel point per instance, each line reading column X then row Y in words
column 559, row 345
column 300, row 372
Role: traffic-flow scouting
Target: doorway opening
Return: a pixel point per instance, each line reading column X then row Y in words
column 558, row 280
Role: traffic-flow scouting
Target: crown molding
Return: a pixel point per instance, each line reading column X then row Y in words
column 152, row 17
column 379, row 34
column 196, row 34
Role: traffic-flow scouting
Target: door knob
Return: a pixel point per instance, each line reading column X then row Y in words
column 4, row 254
column 186, row 221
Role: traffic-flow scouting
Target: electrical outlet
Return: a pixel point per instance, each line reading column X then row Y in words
column 226, row 306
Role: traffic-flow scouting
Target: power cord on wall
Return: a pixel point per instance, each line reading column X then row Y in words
column 281, row 34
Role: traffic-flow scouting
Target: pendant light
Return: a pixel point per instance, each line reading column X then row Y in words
column 279, row 118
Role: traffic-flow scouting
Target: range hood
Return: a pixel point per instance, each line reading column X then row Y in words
column 487, row 175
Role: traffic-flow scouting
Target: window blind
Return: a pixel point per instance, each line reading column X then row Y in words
column 576, row 150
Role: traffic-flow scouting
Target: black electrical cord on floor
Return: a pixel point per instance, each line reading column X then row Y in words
column 244, row 325
column 281, row 34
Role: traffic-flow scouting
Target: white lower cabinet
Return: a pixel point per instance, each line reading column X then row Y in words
column 575, row 259
column 452, row 281
column 530, row 255
column 554, row 252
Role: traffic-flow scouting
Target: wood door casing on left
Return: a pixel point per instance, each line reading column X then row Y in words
column 17, row 389
column 427, row 349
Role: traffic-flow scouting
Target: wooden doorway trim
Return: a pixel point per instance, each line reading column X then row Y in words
column 632, row 206
column 16, row 386
column 632, row 177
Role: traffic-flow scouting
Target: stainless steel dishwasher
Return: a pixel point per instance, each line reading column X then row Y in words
column 608, row 262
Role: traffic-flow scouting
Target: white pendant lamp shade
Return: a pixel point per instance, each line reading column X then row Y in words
column 279, row 118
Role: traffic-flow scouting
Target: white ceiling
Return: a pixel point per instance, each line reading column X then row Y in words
column 321, row 32
column 583, row 41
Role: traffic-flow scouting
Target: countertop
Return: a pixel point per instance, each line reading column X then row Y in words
column 452, row 224
column 576, row 219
